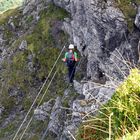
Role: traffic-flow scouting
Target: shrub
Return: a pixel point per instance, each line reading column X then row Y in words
column 125, row 106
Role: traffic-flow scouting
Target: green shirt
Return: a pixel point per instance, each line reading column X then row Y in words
column 75, row 55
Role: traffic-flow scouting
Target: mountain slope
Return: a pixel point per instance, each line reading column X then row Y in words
column 31, row 38
column 28, row 59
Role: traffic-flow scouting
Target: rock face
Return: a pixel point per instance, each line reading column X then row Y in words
column 98, row 29
column 137, row 19
column 43, row 112
column 23, row 45
column 100, row 32
column 57, row 119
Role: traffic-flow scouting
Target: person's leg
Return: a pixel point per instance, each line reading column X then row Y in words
column 71, row 73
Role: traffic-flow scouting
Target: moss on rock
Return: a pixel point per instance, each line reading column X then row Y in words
column 44, row 50
column 129, row 10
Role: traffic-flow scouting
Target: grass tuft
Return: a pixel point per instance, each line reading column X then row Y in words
column 125, row 106
column 128, row 7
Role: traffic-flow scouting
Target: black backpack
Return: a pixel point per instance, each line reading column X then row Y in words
column 70, row 59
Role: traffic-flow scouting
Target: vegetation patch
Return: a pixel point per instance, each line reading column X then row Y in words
column 9, row 128
column 4, row 17
column 129, row 10
column 123, row 111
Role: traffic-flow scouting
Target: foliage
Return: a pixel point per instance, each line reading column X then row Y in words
column 10, row 128
column 6, row 15
column 41, row 42
column 125, row 106
column 129, row 136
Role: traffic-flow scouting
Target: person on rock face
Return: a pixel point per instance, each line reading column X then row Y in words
column 71, row 59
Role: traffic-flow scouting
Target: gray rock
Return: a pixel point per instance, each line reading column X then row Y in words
column 1, row 39
column 43, row 112
column 34, row 6
column 23, row 45
column 30, row 66
column 37, row 18
column 8, row 120
column 66, row 93
column 57, row 119
column 78, row 87
column 16, row 92
column 94, row 26
column 137, row 19
column 4, row 53
column 1, row 110
column 11, row 23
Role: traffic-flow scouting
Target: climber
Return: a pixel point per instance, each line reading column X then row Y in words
column 71, row 59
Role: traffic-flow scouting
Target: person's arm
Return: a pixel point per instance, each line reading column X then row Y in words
column 65, row 58
column 75, row 56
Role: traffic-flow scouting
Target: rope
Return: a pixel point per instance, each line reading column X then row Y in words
column 38, row 94
column 38, row 104
column 44, row 135
column 26, row 128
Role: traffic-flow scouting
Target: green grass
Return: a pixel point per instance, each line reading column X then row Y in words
column 134, row 136
column 4, row 17
column 8, row 33
column 9, row 128
column 125, row 106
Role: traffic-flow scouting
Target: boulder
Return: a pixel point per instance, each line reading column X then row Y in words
column 43, row 111
column 137, row 19
column 57, row 119
column 23, row 45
